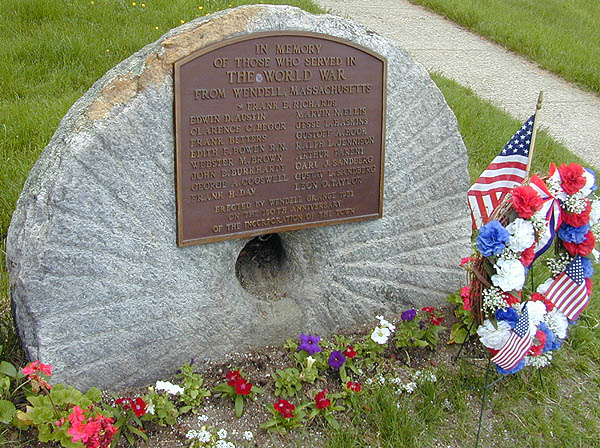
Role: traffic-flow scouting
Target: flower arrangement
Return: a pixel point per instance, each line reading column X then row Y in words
column 522, row 326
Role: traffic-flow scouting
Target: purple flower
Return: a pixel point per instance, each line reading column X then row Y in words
column 337, row 359
column 492, row 239
column 309, row 343
column 408, row 315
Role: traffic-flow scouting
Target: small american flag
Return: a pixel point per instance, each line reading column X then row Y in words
column 517, row 345
column 507, row 171
column 568, row 292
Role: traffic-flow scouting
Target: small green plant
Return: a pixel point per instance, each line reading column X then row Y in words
column 161, row 409
column 285, row 417
column 238, row 389
column 127, row 413
column 287, row 382
column 11, row 384
column 420, row 328
column 193, row 393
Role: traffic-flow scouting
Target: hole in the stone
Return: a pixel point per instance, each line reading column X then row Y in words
column 259, row 265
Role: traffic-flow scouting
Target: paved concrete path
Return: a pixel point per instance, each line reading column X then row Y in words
column 509, row 81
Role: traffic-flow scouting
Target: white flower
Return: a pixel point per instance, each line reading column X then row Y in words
column 191, row 434
column 385, row 324
column 509, row 276
column 522, row 235
column 224, row 444
column 491, row 337
column 309, row 362
column 369, row 381
column 380, row 317
column 202, row 418
column 396, row 380
column 170, row 388
column 149, row 407
column 203, row 435
column 539, row 361
column 544, row 286
column 536, row 311
column 222, row 433
column 595, row 213
column 381, row 380
column 248, row 435
column 380, row 335
column 557, row 322
column 409, row 387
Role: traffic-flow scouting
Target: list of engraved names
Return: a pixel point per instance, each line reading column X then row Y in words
column 277, row 132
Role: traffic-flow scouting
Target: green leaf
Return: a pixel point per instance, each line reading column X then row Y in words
column 8, row 369
column 7, row 411
column 184, row 409
column 94, row 395
column 137, row 432
column 343, row 375
column 458, row 335
column 332, row 422
column 239, row 406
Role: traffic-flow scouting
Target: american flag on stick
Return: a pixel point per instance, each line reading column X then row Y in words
column 568, row 292
column 506, row 172
column 517, row 345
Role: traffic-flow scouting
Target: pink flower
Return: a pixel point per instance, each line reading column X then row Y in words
column 465, row 294
column 465, row 260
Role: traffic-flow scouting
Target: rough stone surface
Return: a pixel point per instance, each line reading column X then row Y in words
column 100, row 289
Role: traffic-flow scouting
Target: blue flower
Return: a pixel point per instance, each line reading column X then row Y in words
column 509, row 315
column 552, row 342
column 573, row 234
column 588, row 267
column 594, row 187
column 492, row 239
column 515, row 369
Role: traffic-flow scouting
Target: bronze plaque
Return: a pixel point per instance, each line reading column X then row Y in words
column 275, row 132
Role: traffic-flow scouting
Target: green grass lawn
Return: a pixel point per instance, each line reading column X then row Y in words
column 561, row 36
column 52, row 51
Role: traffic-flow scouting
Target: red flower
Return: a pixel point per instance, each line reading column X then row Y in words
column 511, row 299
column 138, row 407
column 285, row 408
column 349, row 352
column 233, row 375
column 242, row 387
column 465, row 260
column 492, row 351
column 584, row 248
column 527, row 256
column 536, row 350
column 124, row 402
column 536, row 296
column 526, row 201
column 577, row 219
column 320, row 400
column 589, row 284
column 465, row 294
column 353, row 386
column 571, row 177
column 428, row 309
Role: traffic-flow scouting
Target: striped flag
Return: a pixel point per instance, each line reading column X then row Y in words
column 517, row 345
column 506, row 172
column 568, row 292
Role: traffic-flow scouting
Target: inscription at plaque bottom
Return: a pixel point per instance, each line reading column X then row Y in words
column 277, row 131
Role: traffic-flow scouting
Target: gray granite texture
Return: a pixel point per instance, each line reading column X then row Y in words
column 102, row 292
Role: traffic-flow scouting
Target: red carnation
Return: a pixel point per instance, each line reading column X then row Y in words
column 584, row 248
column 571, row 177
column 589, row 285
column 349, row 352
column 527, row 256
column 526, row 201
column 577, row 219
column 493, row 351
column 536, row 296
column 320, row 401
column 242, row 387
column 536, row 350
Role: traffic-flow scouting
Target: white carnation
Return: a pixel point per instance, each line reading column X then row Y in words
column 595, row 213
column 492, row 337
column 536, row 311
column 557, row 322
column 509, row 276
column 544, row 286
column 522, row 235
